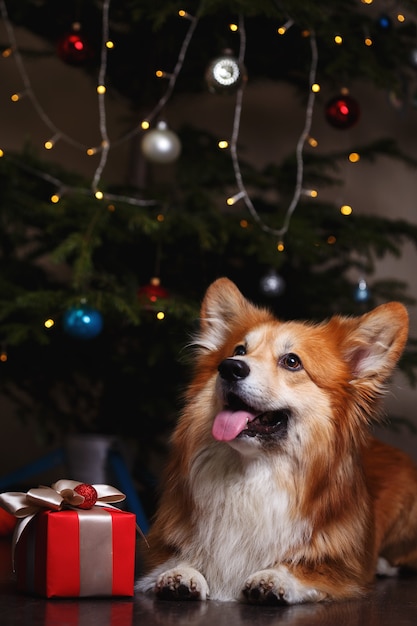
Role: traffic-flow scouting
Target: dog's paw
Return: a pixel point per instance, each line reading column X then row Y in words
column 384, row 568
column 278, row 586
column 182, row 583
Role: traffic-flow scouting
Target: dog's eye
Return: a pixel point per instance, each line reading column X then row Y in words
column 291, row 362
column 239, row 351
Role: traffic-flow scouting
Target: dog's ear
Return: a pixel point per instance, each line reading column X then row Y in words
column 225, row 309
column 221, row 306
column 374, row 342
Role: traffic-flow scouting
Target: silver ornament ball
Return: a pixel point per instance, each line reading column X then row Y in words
column 161, row 145
column 272, row 284
column 225, row 74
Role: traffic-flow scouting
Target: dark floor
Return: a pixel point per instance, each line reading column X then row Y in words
column 393, row 602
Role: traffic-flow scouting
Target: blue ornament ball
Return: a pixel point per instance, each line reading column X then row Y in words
column 361, row 292
column 83, row 322
column 384, row 23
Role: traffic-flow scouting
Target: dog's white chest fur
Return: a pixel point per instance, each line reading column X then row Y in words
column 242, row 521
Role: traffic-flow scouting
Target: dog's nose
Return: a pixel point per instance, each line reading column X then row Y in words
column 233, row 369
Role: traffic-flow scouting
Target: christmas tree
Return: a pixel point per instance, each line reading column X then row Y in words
column 102, row 280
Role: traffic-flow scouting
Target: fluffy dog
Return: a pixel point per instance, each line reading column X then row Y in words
column 275, row 491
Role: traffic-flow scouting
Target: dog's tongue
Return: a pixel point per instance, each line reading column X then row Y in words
column 228, row 424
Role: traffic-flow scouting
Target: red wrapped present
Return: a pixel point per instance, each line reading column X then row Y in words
column 63, row 549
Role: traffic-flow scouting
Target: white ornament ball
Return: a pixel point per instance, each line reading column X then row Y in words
column 161, row 145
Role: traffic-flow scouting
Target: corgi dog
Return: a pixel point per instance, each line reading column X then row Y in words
column 275, row 491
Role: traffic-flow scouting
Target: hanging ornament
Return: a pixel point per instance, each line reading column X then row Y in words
column 361, row 292
column 148, row 295
column 73, row 48
column 225, row 74
column 161, row 145
column 342, row 111
column 83, row 322
column 272, row 285
column 384, row 23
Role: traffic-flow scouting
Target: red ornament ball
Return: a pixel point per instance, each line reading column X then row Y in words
column 342, row 112
column 74, row 49
column 89, row 494
column 152, row 292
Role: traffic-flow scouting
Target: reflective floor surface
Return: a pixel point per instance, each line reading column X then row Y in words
column 393, row 602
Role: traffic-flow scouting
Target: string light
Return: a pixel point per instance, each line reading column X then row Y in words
column 283, row 29
column 162, row 74
column 338, row 40
column 311, row 193
column 354, row 157
column 50, row 143
column 15, row 97
column 346, row 209
column 26, row 81
column 173, row 77
column 223, row 144
column 184, row 14
column 101, row 91
column 299, row 147
column 103, row 150
column 233, row 199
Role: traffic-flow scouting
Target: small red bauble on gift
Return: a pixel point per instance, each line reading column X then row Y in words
column 89, row 493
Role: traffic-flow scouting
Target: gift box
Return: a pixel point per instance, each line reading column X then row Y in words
column 69, row 546
column 77, row 553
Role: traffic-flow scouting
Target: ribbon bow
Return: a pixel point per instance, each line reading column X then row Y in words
column 54, row 498
column 61, row 494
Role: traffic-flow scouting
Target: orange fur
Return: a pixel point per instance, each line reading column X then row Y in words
column 301, row 502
